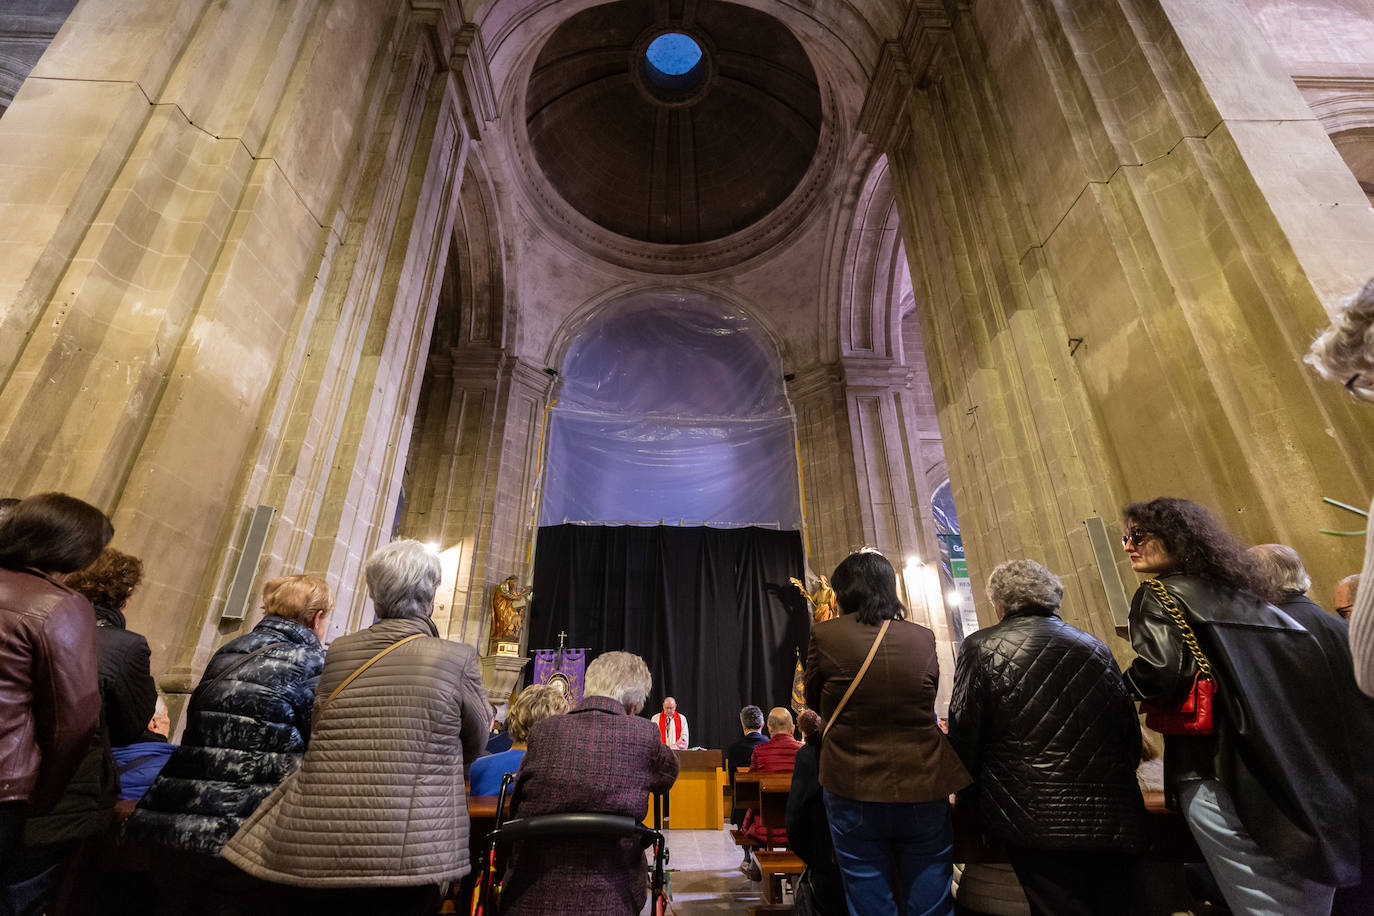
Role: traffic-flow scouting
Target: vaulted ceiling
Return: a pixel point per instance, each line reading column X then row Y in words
column 673, row 158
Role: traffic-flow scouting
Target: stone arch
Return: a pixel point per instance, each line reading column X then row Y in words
column 648, row 365
column 473, row 308
column 612, row 298
column 875, row 283
column 1345, row 108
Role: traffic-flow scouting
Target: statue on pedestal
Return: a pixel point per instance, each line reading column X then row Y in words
column 508, row 606
column 822, row 600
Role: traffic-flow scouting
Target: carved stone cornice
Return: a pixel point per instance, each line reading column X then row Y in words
column 476, row 364
column 469, row 59
column 446, row 18
column 875, row 372
column 529, row 375
column 818, row 380
column 1341, row 102
column 907, row 63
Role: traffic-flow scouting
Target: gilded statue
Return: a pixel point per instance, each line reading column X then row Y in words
column 508, row 610
column 822, row 600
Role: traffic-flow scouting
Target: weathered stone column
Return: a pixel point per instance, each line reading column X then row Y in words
column 1116, row 252
column 222, row 296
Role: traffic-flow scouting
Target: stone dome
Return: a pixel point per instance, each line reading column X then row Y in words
column 671, row 124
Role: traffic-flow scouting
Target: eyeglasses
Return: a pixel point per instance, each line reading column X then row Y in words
column 1135, row 536
column 1344, row 610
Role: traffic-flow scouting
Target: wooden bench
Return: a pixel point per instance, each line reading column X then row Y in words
column 774, row 866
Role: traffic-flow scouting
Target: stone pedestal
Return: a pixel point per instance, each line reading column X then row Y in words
column 500, row 674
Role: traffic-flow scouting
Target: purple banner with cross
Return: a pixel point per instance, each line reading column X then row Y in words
column 563, row 669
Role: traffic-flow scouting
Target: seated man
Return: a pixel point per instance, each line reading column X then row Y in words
column 601, row 757
column 776, row 755
column 742, row 751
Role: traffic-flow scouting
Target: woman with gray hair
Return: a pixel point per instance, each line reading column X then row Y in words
column 1344, row 353
column 601, row 757
column 375, row 818
column 1043, row 721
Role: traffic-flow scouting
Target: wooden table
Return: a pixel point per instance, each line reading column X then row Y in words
column 695, row 803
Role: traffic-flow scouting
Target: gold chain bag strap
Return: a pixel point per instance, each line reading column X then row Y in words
column 863, row 669
column 361, row 668
column 1194, row 715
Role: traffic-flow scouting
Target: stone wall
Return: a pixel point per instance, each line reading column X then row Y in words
column 1124, row 224
column 225, row 236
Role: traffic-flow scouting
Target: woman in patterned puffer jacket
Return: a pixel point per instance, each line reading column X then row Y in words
column 247, row 727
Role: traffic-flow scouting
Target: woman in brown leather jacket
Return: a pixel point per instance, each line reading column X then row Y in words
column 49, row 704
column 1268, row 794
column 886, row 769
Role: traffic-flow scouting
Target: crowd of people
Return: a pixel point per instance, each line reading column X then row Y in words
column 312, row 781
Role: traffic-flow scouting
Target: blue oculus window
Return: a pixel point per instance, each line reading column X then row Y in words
column 673, row 62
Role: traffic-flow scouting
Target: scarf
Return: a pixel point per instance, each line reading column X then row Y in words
column 663, row 727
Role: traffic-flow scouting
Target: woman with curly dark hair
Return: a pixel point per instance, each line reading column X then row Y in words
column 1266, row 786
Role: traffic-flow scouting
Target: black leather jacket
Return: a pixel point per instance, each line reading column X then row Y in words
column 1044, row 723
column 1279, row 745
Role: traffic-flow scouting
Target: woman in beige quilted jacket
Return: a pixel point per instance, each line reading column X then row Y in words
column 375, row 820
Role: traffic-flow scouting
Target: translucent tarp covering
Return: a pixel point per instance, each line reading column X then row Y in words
column 671, row 410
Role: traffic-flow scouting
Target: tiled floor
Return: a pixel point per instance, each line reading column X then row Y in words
column 705, row 874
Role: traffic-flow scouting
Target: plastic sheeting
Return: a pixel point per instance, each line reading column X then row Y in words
column 671, row 410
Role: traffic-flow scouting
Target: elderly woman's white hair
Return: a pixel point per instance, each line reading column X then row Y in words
column 1283, row 566
column 402, row 578
column 1020, row 583
column 622, row 676
column 1344, row 352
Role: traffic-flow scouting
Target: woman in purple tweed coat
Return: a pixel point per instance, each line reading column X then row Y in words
column 600, row 757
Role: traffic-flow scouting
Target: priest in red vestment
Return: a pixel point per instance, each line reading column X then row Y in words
column 671, row 725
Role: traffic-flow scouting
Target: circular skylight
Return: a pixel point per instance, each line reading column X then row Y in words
column 673, row 54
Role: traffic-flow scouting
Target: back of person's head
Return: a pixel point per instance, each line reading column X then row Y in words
column 110, row 580
column 6, row 504
column 1346, row 591
column 1344, row 353
column 751, row 718
column 402, row 578
column 866, row 586
column 811, row 724
column 1198, row 545
column 1018, row 584
column 53, row 533
column 1282, row 567
column 780, row 721
column 534, row 705
column 297, row 597
column 161, row 722
column 622, row 676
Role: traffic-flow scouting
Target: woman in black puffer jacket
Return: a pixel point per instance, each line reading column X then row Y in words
column 247, row 725
column 1042, row 719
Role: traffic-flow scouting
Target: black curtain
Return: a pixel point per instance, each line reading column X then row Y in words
column 709, row 609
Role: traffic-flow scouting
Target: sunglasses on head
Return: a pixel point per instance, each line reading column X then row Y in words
column 1136, row 536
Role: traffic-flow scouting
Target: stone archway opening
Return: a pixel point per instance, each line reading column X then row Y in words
column 671, row 409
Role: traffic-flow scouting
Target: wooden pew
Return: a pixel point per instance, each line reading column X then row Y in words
column 774, row 865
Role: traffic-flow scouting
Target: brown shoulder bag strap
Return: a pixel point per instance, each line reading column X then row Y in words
column 361, row 668
column 863, row 669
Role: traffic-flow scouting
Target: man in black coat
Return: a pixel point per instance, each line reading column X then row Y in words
column 1333, row 634
column 1043, row 721
column 742, row 751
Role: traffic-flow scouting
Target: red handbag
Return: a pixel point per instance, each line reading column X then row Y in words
column 1193, row 716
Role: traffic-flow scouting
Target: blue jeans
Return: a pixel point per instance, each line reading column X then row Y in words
column 1253, row 882
column 890, row 851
